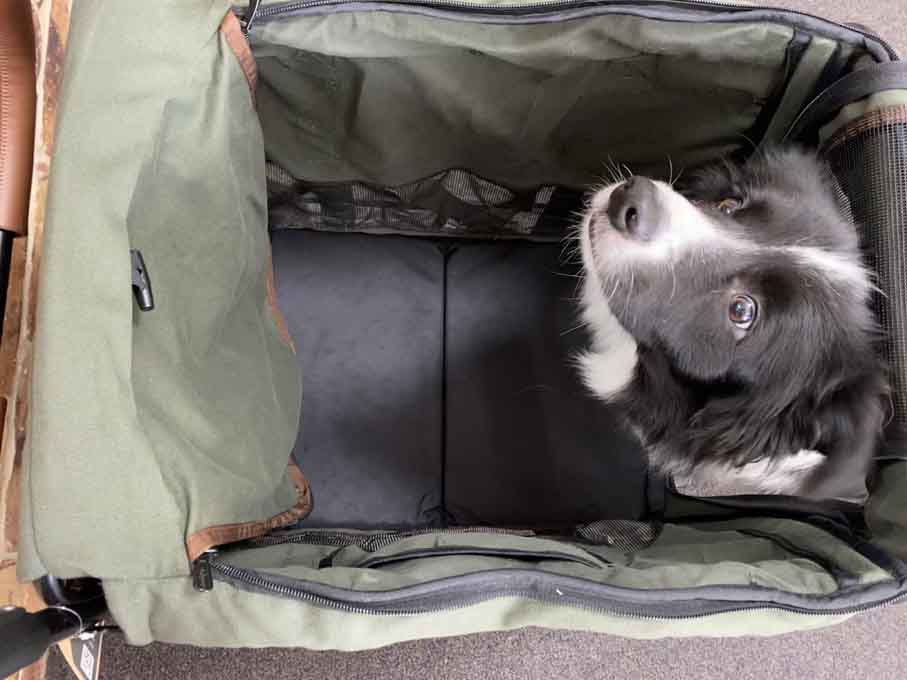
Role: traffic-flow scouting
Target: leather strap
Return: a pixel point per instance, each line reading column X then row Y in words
column 17, row 112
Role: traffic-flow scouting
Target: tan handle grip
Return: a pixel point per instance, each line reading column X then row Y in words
column 17, row 112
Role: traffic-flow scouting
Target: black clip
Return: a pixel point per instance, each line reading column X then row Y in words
column 141, row 284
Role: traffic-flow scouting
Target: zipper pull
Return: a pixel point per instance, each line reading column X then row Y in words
column 141, row 283
column 245, row 21
column 202, row 575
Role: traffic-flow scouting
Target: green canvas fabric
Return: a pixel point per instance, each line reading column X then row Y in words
column 770, row 554
column 146, row 427
column 749, row 552
column 390, row 98
column 229, row 617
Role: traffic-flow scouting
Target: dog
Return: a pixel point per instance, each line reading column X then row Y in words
column 729, row 321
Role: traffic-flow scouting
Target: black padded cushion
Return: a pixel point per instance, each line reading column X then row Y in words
column 526, row 444
column 437, row 385
column 365, row 314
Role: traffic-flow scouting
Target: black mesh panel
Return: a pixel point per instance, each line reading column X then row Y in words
column 869, row 159
column 450, row 203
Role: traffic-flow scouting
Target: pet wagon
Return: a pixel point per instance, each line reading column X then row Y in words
column 286, row 349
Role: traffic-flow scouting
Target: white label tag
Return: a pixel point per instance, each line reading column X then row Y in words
column 86, row 662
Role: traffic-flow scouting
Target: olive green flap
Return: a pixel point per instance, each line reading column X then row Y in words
column 212, row 620
column 148, row 426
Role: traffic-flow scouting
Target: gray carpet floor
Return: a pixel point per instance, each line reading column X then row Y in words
column 872, row 646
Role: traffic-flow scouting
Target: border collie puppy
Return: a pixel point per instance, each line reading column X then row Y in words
column 730, row 324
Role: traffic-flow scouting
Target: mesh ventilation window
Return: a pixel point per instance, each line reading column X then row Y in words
column 449, row 203
column 869, row 159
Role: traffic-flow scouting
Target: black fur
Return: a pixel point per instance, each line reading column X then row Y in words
column 808, row 375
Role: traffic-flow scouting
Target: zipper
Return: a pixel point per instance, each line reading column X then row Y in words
column 373, row 542
column 209, row 567
column 201, row 568
column 465, row 596
column 254, row 11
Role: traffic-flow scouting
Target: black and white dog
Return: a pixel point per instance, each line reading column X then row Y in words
column 730, row 324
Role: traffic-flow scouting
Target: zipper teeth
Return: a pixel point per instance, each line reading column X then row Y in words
column 255, row 580
column 276, row 10
column 252, row 579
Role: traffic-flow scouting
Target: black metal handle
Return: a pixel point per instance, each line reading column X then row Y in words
column 24, row 637
column 74, row 606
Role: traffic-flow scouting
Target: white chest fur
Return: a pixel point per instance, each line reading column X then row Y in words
column 608, row 366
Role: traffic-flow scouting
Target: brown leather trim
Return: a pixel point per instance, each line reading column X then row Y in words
column 240, row 46
column 890, row 115
column 205, row 539
column 17, row 113
column 279, row 321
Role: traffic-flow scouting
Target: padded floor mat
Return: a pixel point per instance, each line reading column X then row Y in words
column 366, row 316
column 526, row 444
column 437, row 385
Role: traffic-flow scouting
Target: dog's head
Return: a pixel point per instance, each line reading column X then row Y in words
column 748, row 278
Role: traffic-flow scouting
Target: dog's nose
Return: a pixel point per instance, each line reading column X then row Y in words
column 633, row 206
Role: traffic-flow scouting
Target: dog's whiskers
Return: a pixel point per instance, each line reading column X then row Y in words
column 614, row 290
column 581, row 324
column 629, row 291
column 613, row 168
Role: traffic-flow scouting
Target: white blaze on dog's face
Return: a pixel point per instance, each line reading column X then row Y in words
column 617, row 233
column 750, row 285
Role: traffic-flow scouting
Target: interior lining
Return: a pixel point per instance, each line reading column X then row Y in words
column 388, row 98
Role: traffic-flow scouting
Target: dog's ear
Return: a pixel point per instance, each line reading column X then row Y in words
column 745, row 427
column 842, row 420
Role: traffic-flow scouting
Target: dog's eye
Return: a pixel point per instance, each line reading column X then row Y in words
column 743, row 311
column 729, row 205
